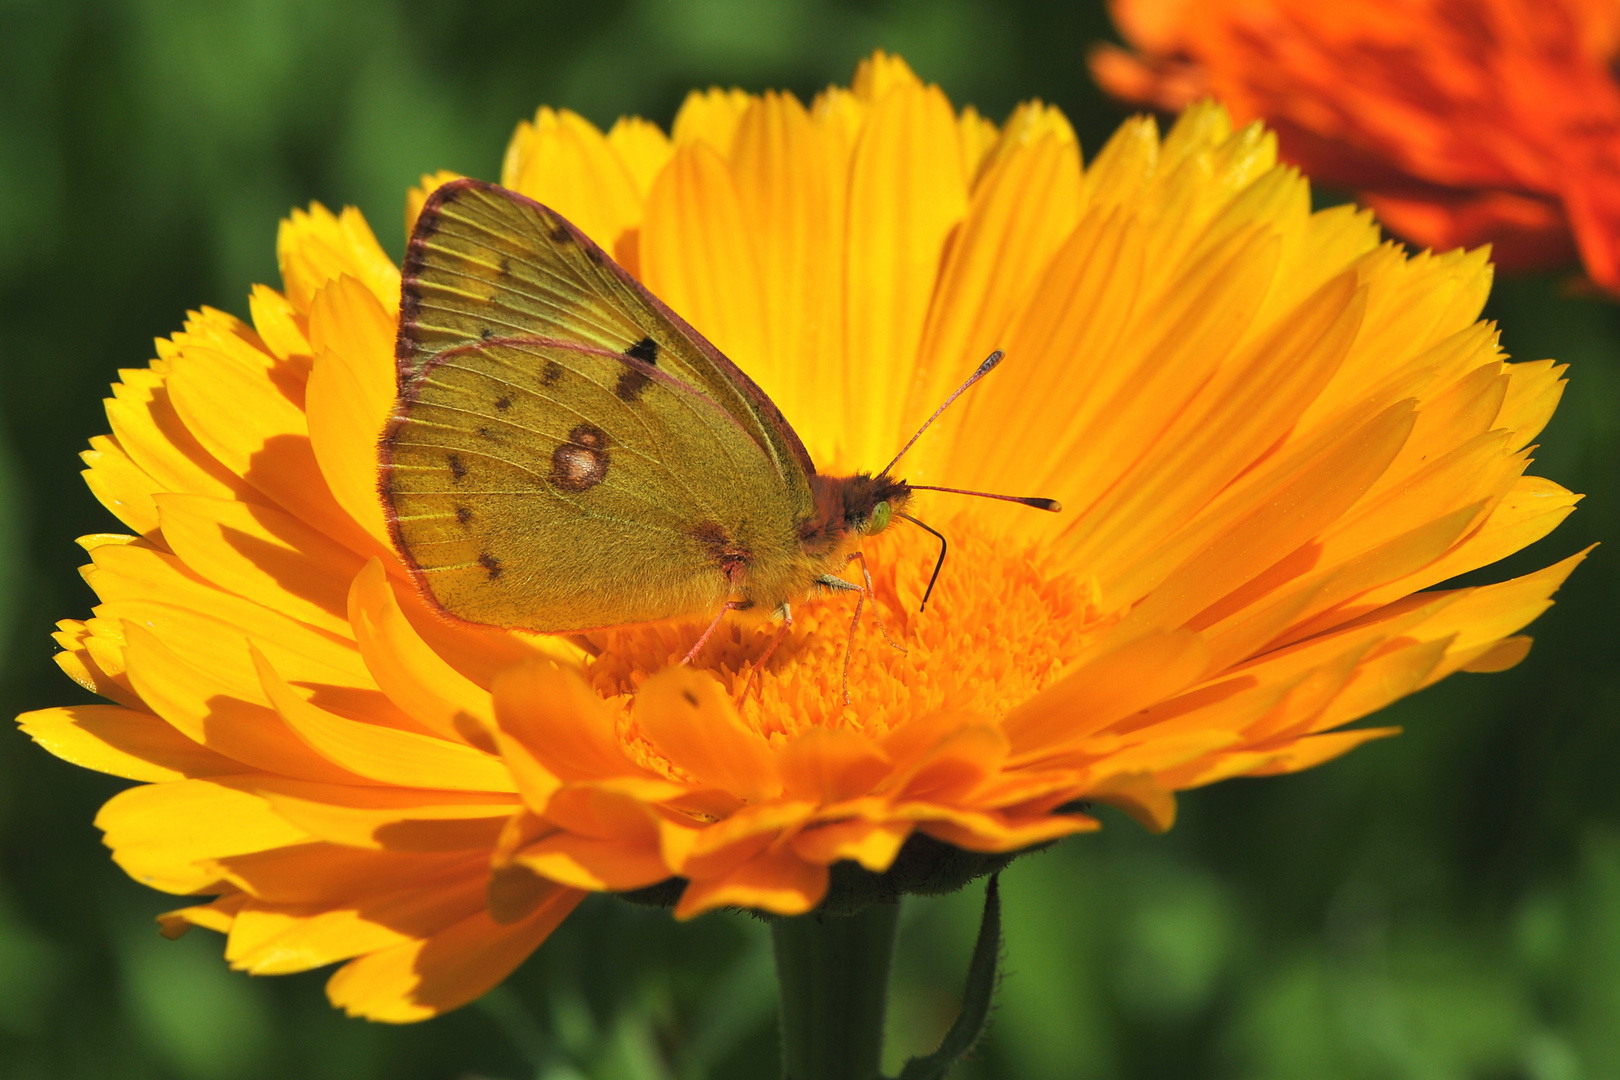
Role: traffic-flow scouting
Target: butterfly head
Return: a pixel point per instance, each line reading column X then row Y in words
column 871, row 502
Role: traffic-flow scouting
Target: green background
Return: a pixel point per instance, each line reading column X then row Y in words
column 1445, row 904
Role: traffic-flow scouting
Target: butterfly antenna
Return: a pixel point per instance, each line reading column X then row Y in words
column 943, row 545
column 1033, row 501
column 984, row 369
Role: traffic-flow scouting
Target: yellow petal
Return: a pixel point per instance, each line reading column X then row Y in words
column 783, row 172
column 398, row 819
column 418, row 195
column 263, row 555
column 166, row 835
column 281, row 326
column 316, row 246
column 349, row 396
column 381, row 753
column 643, row 147
column 709, row 116
column 123, row 742
column 1023, row 209
column 907, row 191
column 698, row 257
column 439, row 973
column 413, row 675
column 563, row 161
column 238, row 727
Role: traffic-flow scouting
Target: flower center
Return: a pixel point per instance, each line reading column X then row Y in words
column 1000, row 626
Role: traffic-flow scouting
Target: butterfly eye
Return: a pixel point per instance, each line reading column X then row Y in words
column 881, row 513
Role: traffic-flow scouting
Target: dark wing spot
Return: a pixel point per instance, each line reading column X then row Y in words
column 486, row 333
column 588, row 436
column 553, row 371
column 691, row 698
column 581, row 462
column 490, row 563
column 630, row 384
column 484, row 432
column 645, row 350
column 731, row 557
column 463, row 515
column 506, row 267
column 503, row 403
column 594, row 254
column 457, row 469
column 559, row 232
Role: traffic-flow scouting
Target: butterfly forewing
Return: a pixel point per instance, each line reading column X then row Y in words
column 545, row 485
column 486, row 262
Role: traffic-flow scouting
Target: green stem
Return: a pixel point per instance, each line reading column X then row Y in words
column 833, row 975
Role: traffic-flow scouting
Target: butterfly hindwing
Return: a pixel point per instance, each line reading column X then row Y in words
column 486, row 262
column 550, row 486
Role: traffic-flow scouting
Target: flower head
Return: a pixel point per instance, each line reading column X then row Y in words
column 1460, row 123
column 1271, row 432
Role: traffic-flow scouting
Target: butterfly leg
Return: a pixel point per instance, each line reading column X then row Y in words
column 787, row 624
column 729, row 605
column 867, row 576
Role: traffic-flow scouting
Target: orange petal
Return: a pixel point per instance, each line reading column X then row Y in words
column 828, row 765
column 586, row 863
column 271, row 939
column 992, row 830
column 688, row 717
column 873, row 844
column 322, row 873
column 553, row 728
column 776, row 881
column 1151, row 668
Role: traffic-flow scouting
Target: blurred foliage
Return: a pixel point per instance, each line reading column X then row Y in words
column 1442, row 905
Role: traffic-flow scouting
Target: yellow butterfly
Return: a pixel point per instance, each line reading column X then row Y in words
column 569, row 454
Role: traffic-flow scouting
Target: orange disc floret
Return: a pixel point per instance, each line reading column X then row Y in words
column 1274, row 435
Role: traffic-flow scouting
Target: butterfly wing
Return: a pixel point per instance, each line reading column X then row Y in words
column 487, row 262
column 546, row 485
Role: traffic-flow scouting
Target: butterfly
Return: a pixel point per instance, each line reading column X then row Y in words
column 568, row 454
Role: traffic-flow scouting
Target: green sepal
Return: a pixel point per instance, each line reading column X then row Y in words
column 970, row 1023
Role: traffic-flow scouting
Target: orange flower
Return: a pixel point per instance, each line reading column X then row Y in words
column 1460, row 122
column 1271, row 431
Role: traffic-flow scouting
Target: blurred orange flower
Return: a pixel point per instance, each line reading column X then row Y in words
column 1272, row 430
column 1460, row 122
